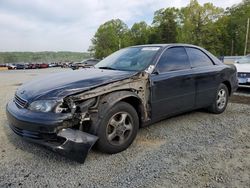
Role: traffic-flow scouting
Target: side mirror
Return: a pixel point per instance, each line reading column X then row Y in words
column 150, row 69
column 156, row 72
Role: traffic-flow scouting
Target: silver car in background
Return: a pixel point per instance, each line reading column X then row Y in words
column 243, row 69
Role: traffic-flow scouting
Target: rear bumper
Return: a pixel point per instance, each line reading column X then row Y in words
column 44, row 129
column 244, row 85
column 244, row 82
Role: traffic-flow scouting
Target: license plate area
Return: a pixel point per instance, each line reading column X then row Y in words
column 243, row 80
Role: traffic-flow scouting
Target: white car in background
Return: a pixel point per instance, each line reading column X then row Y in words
column 243, row 69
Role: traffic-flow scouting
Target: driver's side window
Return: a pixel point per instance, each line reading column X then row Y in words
column 173, row 59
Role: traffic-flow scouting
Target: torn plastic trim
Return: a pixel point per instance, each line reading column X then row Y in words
column 73, row 144
column 77, row 144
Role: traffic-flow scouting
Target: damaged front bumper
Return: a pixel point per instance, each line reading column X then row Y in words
column 51, row 131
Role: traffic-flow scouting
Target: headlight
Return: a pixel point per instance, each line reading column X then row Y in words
column 44, row 105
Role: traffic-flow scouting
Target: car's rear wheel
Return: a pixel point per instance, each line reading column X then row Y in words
column 118, row 128
column 220, row 102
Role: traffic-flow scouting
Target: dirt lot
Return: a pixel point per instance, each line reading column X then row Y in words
column 196, row 149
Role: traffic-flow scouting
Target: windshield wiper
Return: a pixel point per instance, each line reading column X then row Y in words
column 109, row 68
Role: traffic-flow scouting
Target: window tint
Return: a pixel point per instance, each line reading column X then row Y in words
column 173, row 59
column 197, row 58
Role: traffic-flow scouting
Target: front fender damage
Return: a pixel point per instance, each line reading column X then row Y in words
column 77, row 141
column 137, row 84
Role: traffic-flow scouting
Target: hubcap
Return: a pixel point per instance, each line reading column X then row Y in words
column 221, row 99
column 119, row 128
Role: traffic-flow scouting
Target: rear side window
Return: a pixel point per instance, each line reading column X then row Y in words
column 173, row 59
column 198, row 58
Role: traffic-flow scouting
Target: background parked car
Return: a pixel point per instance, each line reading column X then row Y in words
column 11, row 66
column 85, row 64
column 34, row 66
column 43, row 65
column 64, row 65
column 3, row 65
column 26, row 65
column 52, row 65
column 243, row 69
column 20, row 66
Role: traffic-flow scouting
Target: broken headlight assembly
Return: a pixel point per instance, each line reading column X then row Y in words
column 46, row 106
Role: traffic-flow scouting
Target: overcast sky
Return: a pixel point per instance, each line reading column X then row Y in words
column 68, row 25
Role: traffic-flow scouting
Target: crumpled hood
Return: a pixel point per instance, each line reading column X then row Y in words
column 59, row 85
column 243, row 67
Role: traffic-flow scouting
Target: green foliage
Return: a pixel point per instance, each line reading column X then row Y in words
column 15, row 57
column 165, row 24
column 237, row 25
column 140, row 33
column 110, row 37
column 211, row 27
column 199, row 25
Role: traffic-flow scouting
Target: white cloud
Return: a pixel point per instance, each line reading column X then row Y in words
column 41, row 25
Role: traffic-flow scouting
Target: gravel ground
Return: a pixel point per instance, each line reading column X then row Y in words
column 196, row 149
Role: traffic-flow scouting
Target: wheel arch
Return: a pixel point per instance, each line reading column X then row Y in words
column 228, row 85
column 110, row 99
column 137, row 104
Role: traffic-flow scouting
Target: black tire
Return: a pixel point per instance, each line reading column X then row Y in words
column 217, row 106
column 122, row 116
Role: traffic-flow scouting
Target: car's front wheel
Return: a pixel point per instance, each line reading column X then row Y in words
column 220, row 102
column 118, row 128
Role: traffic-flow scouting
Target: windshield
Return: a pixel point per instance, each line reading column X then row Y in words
column 244, row 60
column 129, row 59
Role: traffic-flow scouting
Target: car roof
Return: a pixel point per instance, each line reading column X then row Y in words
column 215, row 59
column 166, row 45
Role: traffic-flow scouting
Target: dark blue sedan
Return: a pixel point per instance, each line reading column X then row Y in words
column 105, row 105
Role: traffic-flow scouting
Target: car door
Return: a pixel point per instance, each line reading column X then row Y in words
column 172, row 84
column 206, row 75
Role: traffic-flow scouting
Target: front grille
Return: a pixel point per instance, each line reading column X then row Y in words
column 21, row 103
column 243, row 75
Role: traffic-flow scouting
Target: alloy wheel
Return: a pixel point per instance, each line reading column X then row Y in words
column 221, row 99
column 119, row 128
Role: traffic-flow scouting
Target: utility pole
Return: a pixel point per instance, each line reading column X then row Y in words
column 119, row 45
column 245, row 51
column 232, row 47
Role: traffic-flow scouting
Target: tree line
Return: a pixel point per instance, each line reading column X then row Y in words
column 221, row 31
column 45, row 57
